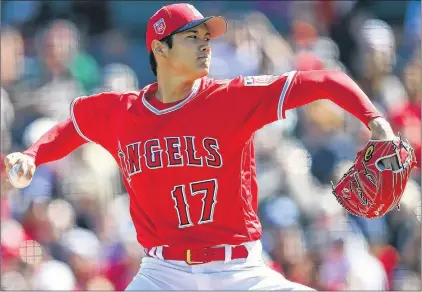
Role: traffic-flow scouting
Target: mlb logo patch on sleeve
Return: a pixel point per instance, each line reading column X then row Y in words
column 261, row 80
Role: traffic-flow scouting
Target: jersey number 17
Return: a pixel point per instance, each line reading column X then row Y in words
column 208, row 190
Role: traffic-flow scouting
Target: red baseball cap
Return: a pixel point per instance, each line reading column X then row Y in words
column 179, row 17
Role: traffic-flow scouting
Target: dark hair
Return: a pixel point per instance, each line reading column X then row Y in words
column 167, row 40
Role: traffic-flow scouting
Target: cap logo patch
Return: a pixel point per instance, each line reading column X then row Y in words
column 160, row 26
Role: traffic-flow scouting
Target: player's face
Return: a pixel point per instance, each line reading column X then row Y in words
column 191, row 52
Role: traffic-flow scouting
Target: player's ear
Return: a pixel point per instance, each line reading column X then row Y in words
column 159, row 48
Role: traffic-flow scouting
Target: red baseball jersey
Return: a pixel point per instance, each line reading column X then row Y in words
column 189, row 166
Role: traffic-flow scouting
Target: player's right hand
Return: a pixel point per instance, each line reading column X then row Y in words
column 25, row 166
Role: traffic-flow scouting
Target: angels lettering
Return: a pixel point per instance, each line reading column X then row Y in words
column 163, row 152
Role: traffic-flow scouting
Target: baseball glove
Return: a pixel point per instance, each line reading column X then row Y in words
column 371, row 190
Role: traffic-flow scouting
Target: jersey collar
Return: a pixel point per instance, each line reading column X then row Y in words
column 149, row 106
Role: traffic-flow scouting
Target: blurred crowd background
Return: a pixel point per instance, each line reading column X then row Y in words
column 71, row 229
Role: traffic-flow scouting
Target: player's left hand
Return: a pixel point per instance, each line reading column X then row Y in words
column 381, row 130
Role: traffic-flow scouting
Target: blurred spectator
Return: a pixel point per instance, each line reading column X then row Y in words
column 12, row 47
column 406, row 117
column 119, row 77
column 328, row 52
column 378, row 59
column 7, row 119
column 335, row 267
column 83, row 250
column 7, row 112
column 277, row 54
column 65, row 70
column 60, row 272
column 235, row 53
column 411, row 35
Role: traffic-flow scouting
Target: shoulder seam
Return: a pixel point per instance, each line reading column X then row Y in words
column 75, row 123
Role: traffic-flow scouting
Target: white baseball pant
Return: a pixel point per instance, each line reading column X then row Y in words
column 239, row 274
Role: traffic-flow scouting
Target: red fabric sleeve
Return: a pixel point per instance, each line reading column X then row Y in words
column 92, row 115
column 58, row 142
column 309, row 86
column 255, row 101
column 259, row 100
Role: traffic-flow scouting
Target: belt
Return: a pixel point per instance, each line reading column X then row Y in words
column 203, row 255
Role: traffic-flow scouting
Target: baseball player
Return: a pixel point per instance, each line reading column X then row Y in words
column 185, row 149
